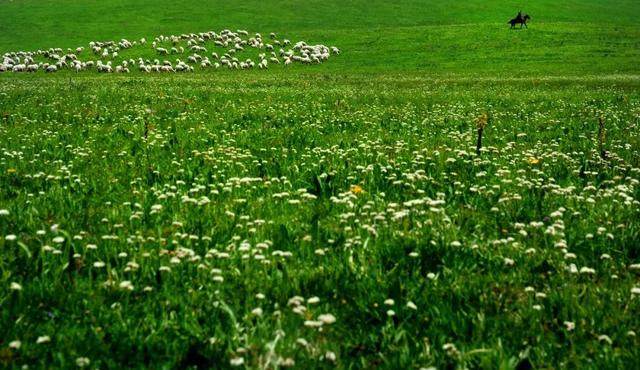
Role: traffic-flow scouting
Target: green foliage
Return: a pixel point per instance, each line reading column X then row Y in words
column 353, row 192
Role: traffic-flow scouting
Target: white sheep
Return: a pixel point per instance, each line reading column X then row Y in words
column 275, row 51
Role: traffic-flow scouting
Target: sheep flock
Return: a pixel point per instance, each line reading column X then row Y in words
column 204, row 50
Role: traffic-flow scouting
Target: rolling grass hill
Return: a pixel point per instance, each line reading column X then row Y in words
column 432, row 37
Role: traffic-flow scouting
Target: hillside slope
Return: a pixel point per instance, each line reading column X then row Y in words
column 575, row 38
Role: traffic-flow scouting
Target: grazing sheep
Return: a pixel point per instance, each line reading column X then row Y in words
column 104, row 68
column 182, row 67
column 275, row 51
column 194, row 58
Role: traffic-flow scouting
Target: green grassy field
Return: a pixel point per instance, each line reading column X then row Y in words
column 435, row 37
column 338, row 215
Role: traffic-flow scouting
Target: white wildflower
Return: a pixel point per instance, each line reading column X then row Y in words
column 237, row 361
column 569, row 325
column 127, row 285
column 82, row 361
column 327, row 318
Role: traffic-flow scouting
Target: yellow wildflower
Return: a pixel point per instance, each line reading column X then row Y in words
column 356, row 189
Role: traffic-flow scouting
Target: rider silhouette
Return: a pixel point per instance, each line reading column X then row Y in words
column 519, row 16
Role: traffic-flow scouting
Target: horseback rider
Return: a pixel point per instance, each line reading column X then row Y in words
column 519, row 19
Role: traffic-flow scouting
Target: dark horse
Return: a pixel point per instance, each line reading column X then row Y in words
column 521, row 19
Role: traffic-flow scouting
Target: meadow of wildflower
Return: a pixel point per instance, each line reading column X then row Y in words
column 339, row 215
